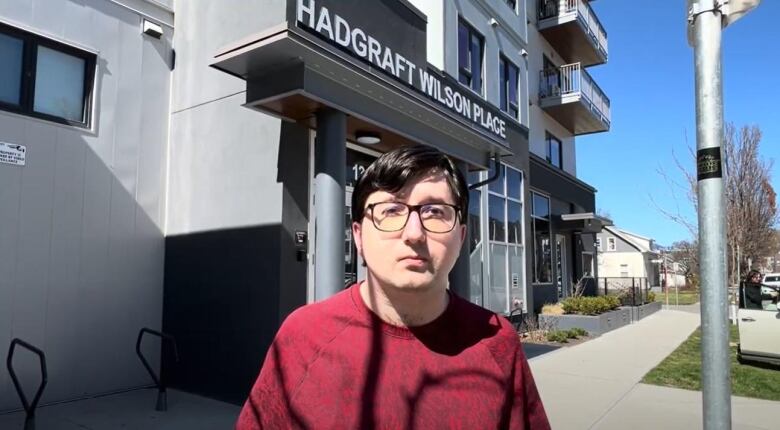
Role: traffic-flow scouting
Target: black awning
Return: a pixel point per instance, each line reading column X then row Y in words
column 587, row 222
column 291, row 77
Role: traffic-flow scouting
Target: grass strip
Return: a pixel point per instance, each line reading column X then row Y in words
column 682, row 369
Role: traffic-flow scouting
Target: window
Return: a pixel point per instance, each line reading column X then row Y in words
column 611, row 244
column 553, row 148
column 598, row 243
column 542, row 261
column 470, row 47
column 512, row 4
column 508, row 74
column 43, row 78
column 624, row 270
column 505, row 213
column 475, row 240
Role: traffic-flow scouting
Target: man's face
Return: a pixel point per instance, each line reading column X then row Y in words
column 411, row 258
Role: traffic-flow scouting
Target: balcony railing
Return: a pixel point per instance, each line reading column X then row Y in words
column 573, row 80
column 585, row 14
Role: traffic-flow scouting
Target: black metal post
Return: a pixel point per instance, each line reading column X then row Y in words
column 162, row 394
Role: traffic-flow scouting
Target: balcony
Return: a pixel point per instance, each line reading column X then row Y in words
column 572, row 28
column 571, row 97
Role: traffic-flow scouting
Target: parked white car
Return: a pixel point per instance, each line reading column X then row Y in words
column 770, row 280
column 759, row 326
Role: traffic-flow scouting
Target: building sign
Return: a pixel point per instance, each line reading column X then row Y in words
column 393, row 51
column 12, row 154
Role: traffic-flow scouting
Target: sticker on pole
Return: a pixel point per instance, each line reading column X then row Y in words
column 12, row 154
column 708, row 163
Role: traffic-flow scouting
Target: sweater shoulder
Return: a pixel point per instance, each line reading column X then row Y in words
column 319, row 322
column 494, row 332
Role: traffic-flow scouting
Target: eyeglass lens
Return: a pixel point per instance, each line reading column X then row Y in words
column 393, row 216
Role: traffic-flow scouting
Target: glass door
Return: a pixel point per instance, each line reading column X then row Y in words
column 562, row 280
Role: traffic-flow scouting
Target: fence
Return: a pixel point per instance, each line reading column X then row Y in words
column 631, row 291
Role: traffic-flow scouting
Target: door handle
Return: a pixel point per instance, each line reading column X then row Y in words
column 748, row 319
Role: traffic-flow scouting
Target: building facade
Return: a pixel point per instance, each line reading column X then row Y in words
column 188, row 166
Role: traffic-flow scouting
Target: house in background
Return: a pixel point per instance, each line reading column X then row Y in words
column 622, row 254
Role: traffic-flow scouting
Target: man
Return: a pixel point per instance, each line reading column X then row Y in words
column 398, row 350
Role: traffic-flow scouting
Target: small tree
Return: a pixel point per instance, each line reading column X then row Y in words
column 751, row 202
column 686, row 255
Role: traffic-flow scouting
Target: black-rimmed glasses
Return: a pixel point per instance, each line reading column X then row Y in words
column 434, row 217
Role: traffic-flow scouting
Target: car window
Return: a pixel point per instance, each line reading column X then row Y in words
column 772, row 279
column 751, row 296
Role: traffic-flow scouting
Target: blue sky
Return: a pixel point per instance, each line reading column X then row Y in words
column 649, row 80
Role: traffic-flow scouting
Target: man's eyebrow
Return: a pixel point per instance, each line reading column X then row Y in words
column 435, row 200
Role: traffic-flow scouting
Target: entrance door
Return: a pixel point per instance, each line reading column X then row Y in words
column 562, row 281
column 353, row 263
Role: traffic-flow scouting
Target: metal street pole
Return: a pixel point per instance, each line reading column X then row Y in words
column 716, row 367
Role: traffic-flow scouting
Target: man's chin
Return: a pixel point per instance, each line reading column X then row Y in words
column 414, row 282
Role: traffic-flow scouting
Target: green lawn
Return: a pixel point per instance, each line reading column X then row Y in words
column 685, row 297
column 682, row 369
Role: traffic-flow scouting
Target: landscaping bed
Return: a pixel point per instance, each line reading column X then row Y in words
column 595, row 324
column 682, row 369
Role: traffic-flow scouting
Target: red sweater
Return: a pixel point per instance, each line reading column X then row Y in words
column 336, row 365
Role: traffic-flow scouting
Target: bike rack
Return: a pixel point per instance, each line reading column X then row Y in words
column 521, row 322
column 162, row 395
column 29, row 408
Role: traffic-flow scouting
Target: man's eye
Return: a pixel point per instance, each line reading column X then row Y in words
column 433, row 211
column 392, row 210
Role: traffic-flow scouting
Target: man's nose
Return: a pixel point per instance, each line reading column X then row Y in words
column 413, row 231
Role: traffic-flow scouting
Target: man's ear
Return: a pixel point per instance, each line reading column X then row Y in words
column 356, row 236
column 463, row 232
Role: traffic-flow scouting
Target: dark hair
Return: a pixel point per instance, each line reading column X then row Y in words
column 394, row 169
column 751, row 273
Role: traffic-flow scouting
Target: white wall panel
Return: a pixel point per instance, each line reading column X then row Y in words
column 203, row 28
column 63, row 304
column 48, row 15
column 16, row 11
column 223, row 170
column 81, row 259
column 10, row 196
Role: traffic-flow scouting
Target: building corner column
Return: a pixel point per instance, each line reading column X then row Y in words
column 330, row 159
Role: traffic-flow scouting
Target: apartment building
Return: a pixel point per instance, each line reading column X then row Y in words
column 188, row 166
column 565, row 38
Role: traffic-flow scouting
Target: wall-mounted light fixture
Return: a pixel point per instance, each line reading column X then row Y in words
column 367, row 137
column 152, row 29
column 493, row 22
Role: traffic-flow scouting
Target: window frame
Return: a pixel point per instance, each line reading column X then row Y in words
column 611, row 244
column 548, row 220
column 467, row 71
column 30, row 44
column 505, row 66
column 549, row 138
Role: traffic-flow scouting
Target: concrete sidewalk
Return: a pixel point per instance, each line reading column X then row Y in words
column 595, row 385
column 131, row 410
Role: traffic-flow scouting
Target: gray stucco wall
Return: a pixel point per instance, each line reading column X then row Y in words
column 238, row 191
column 81, row 242
column 223, row 156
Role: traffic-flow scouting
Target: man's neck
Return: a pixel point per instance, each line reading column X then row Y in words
column 404, row 308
